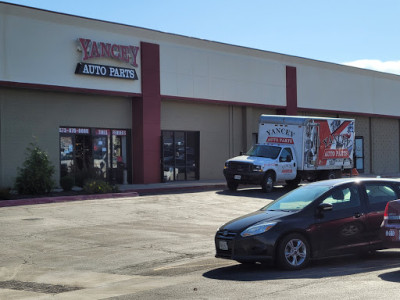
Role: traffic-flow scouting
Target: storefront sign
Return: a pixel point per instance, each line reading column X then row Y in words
column 105, row 71
column 93, row 49
column 74, row 130
column 119, row 132
column 102, row 131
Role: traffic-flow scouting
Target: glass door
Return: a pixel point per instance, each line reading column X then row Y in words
column 119, row 155
column 359, row 154
column 101, row 152
column 180, row 155
column 66, row 155
column 168, row 157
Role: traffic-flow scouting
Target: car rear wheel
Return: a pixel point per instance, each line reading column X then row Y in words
column 293, row 252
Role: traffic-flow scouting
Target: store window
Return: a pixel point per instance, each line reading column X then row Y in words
column 359, row 153
column 180, row 155
column 94, row 152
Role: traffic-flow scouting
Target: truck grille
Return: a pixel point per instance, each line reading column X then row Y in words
column 240, row 166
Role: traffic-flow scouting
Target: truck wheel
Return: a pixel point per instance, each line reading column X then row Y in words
column 293, row 183
column 293, row 252
column 333, row 174
column 232, row 186
column 268, row 182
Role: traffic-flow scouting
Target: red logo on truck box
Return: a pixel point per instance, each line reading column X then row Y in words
column 336, row 141
column 279, row 140
column 336, row 153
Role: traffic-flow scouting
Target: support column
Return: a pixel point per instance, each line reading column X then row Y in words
column 146, row 119
column 291, row 91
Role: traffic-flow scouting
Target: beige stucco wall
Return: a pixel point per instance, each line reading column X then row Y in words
column 206, row 73
column 225, row 130
column 41, row 47
column 385, row 146
column 27, row 116
column 214, row 123
column 346, row 89
column 189, row 68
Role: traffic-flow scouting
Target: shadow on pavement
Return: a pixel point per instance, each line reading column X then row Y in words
column 256, row 192
column 324, row 268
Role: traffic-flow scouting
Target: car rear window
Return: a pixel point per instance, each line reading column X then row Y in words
column 378, row 193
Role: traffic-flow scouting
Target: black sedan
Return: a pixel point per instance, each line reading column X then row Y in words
column 321, row 219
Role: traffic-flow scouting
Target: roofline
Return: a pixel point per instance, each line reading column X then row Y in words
column 287, row 56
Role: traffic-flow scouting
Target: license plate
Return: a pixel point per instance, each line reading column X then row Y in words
column 223, row 245
column 237, row 177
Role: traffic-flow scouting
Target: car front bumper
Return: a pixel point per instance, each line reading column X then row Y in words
column 258, row 248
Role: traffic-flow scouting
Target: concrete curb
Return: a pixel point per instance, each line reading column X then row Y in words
column 154, row 191
column 45, row 200
column 124, row 194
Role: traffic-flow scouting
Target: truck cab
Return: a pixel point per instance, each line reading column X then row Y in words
column 263, row 164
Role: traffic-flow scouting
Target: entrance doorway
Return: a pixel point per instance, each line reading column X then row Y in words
column 94, row 153
column 180, row 155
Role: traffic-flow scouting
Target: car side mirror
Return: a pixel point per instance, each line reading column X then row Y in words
column 325, row 207
column 321, row 208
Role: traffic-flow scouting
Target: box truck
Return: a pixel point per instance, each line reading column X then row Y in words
column 294, row 148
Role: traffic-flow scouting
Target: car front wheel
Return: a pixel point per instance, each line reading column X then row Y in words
column 293, row 252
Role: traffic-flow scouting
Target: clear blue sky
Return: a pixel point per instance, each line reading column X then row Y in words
column 339, row 31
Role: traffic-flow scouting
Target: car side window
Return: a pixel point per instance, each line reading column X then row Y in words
column 343, row 198
column 378, row 193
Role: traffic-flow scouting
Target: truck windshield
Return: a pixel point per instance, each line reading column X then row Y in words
column 264, row 151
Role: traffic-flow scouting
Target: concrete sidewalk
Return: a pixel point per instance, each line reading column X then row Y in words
column 134, row 190
column 130, row 190
column 172, row 186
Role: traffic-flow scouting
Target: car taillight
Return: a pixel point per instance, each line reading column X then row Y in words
column 386, row 213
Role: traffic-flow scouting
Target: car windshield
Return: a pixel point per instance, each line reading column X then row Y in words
column 298, row 198
column 264, row 151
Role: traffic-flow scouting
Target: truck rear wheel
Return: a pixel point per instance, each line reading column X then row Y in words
column 333, row 174
column 268, row 182
column 293, row 183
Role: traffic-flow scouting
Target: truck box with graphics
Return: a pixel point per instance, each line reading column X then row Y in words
column 294, row 148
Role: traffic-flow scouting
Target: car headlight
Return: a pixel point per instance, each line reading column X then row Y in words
column 258, row 228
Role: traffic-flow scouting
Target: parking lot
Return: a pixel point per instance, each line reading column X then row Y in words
column 162, row 247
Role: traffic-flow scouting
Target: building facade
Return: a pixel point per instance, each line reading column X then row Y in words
column 142, row 106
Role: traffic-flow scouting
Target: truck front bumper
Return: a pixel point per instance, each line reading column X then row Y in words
column 243, row 177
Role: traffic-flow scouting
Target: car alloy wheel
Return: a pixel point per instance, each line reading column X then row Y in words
column 293, row 252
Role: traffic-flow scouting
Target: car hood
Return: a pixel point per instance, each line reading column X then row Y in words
column 241, row 223
column 255, row 160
